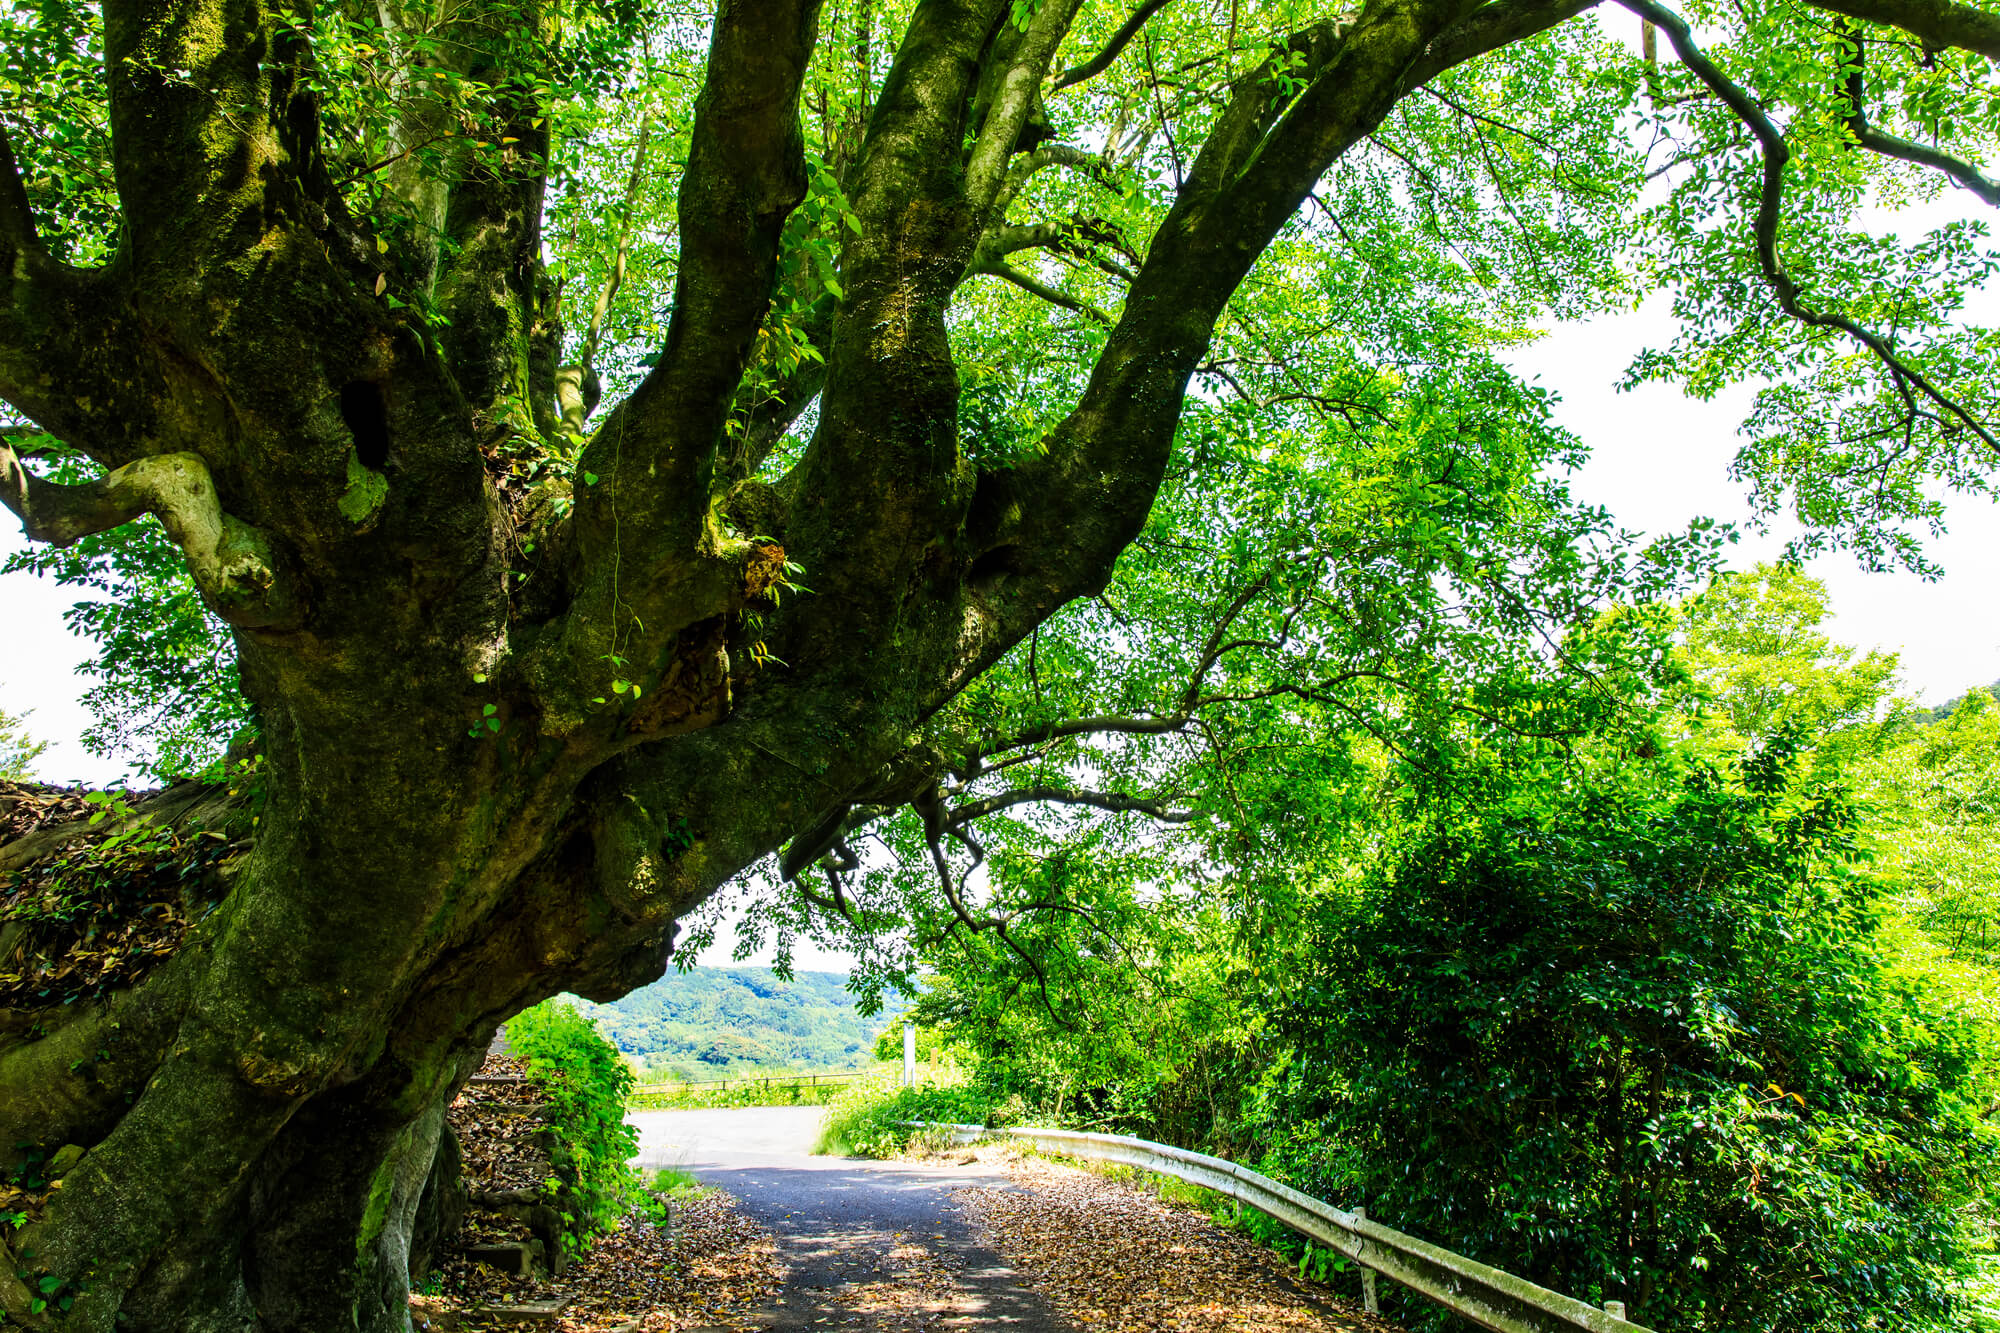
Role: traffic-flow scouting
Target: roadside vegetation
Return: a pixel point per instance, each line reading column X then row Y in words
column 876, row 1119
column 589, row 1143
column 1692, row 1007
column 777, row 1090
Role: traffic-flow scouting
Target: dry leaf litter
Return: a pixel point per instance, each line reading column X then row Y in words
column 711, row 1270
column 1111, row 1257
column 707, row 1268
column 498, row 1119
column 1104, row 1255
column 90, row 911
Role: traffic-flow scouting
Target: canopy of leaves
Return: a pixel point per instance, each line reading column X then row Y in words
column 1552, row 178
column 1628, row 1007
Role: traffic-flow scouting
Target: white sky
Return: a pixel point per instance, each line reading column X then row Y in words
column 1660, row 458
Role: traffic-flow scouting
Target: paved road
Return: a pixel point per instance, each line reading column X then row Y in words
column 859, row 1237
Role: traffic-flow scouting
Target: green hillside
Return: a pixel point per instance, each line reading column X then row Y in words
column 725, row 1022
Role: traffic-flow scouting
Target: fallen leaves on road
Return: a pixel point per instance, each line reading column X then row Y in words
column 1110, row 1257
column 714, row 1269
column 908, row 1289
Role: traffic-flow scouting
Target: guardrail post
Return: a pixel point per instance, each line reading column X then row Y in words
column 1616, row 1309
column 1367, row 1275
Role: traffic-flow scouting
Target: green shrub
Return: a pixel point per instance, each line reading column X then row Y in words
column 587, row 1085
column 1643, row 1042
column 674, row 1181
column 866, row 1119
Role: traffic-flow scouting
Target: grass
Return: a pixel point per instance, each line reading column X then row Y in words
column 675, row 1182
column 865, row 1120
column 666, row 1188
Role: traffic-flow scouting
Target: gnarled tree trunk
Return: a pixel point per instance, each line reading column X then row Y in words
column 487, row 775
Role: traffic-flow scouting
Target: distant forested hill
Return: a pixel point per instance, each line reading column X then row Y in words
column 722, row 1022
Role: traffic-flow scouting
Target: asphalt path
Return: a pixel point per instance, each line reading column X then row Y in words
column 845, row 1225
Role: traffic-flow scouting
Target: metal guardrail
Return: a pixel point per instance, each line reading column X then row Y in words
column 1485, row 1295
column 766, row 1083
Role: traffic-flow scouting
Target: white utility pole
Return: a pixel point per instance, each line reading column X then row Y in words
column 909, row 1054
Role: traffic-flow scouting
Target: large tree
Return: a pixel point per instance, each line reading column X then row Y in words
column 900, row 302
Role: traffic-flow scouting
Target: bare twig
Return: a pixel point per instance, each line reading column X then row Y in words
column 1036, row 287
column 1102, row 61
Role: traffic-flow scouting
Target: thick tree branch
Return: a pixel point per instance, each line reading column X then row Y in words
column 17, row 220
column 1041, row 793
column 1939, row 22
column 1048, row 155
column 206, row 115
column 490, row 283
column 883, row 485
column 1925, row 155
column 1016, row 98
column 1908, row 380
column 1490, row 28
column 1263, row 156
column 69, row 360
column 643, row 531
column 1908, row 150
column 231, row 562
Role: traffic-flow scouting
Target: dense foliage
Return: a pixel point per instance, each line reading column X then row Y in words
column 881, row 1118
column 589, row 1141
column 1641, row 1012
column 1639, row 1038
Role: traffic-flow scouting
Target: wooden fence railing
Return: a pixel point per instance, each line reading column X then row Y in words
column 766, row 1083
